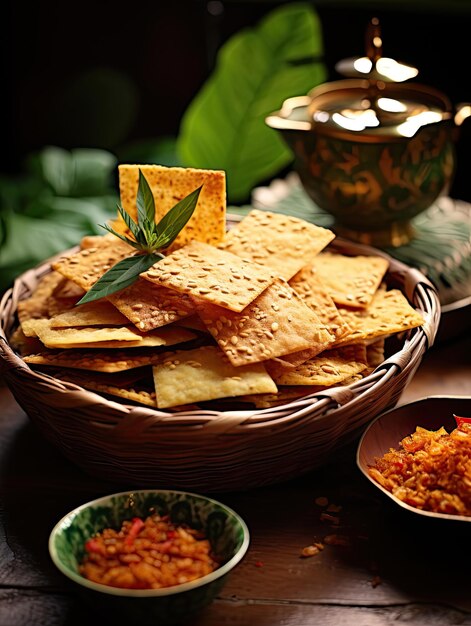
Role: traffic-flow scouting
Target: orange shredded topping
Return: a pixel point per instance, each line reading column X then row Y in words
column 431, row 470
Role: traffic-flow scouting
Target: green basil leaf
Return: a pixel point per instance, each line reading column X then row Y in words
column 121, row 275
column 224, row 126
column 148, row 233
column 173, row 222
column 131, row 242
column 145, row 201
column 131, row 224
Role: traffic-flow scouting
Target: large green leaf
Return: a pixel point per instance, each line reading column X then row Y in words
column 256, row 70
column 63, row 196
column 80, row 172
column 29, row 240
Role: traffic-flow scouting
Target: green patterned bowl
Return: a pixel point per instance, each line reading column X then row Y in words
column 227, row 532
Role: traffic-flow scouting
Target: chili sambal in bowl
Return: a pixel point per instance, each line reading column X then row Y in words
column 152, row 556
column 419, row 455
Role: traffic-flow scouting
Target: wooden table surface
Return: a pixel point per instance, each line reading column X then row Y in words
column 394, row 568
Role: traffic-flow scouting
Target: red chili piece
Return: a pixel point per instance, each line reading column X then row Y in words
column 93, row 545
column 136, row 526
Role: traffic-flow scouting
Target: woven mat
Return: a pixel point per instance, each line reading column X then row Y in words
column 441, row 249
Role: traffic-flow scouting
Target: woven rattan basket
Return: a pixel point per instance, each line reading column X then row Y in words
column 210, row 450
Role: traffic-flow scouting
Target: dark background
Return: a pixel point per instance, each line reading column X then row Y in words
column 105, row 74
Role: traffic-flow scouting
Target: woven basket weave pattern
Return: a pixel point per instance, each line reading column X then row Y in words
column 210, row 450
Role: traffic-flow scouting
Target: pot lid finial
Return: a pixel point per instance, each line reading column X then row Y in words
column 374, row 66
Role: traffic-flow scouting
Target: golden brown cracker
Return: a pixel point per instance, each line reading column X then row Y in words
column 210, row 274
column 280, row 242
column 169, row 185
column 100, row 337
column 64, row 297
column 97, row 241
column 36, row 306
column 328, row 368
column 96, row 313
column 165, row 336
column 312, row 291
column 277, row 322
column 389, row 312
column 88, row 265
column 205, row 374
column 134, row 388
column 350, row 280
column 77, row 337
column 194, row 322
column 94, row 360
column 150, row 306
column 67, row 289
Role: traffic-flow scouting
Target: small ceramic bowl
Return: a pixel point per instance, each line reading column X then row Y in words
column 226, row 531
column 391, row 427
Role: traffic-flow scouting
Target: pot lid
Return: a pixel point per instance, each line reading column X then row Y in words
column 375, row 101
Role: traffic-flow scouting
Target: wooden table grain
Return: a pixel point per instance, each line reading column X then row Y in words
column 388, row 566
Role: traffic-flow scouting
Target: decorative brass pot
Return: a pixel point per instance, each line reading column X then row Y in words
column 372, row 153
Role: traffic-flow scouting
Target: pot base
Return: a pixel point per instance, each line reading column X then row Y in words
column 395, row 235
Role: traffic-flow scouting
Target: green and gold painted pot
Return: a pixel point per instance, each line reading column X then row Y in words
column 372, row 155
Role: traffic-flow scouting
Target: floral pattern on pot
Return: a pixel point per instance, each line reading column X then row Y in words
column 367, row 186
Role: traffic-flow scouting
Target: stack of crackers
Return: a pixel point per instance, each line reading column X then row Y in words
column 264, row 313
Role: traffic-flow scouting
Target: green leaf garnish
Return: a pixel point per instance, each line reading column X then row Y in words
column 173, row 222
column 130, row 223
column 149, row 239
column 130, row 242
column 145, row 202
column 121, row 275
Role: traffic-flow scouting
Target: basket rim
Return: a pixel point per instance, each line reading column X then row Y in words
column 417, row 288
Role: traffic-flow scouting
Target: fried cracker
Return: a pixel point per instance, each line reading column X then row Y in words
column 100, row 337
column 71, row 337
column 135, row 388
column 36, row 306
column 64, row 297
column 169, row 185
column 67, row 289
column 389, row 312
column 97, row 313
column 282, row 243
column 210, row 274
column 85, row 267
column 312, row 291
column 350, row 280
column 194, row 322
column 327, row 369
column 150, row 306
column 94, row 360
column 205, row 374
column 97, row 241
column 277, row 322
